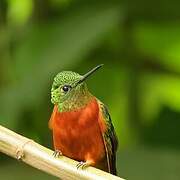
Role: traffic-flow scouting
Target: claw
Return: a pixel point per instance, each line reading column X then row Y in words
column 57, row 153
column 82, row 165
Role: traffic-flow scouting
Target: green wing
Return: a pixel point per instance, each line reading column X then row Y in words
column 110, row 140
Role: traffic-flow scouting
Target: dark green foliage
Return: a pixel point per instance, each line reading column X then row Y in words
column 140, row 82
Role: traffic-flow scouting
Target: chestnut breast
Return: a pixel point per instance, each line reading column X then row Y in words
column 77, row 133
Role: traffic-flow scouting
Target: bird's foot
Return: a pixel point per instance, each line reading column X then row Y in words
column 57, row 153
column 82, row 165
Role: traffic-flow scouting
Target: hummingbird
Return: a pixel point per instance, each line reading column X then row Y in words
column 81, row 124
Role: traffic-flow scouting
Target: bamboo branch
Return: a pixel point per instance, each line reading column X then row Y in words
column 40, row 157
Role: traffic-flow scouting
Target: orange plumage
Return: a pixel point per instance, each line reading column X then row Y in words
column 77, row 134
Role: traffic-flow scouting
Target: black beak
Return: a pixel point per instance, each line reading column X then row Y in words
column 85, row 76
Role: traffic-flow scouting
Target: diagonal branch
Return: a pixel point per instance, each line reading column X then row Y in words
column 40, row 157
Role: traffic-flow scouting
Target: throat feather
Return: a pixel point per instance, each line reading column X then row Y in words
column 75, row 101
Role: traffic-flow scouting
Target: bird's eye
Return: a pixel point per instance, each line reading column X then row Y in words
column 66, row 88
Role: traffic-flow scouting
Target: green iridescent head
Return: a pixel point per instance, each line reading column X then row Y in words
column 69, row 90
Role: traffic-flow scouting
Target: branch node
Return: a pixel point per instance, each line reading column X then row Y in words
column 19, row 154
column 20, row 150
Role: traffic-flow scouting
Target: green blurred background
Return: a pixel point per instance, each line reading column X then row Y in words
column 139, row 43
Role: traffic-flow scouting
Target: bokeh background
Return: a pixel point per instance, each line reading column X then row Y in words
column 139, row 43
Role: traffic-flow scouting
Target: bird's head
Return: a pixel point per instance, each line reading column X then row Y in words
column 69, row 89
